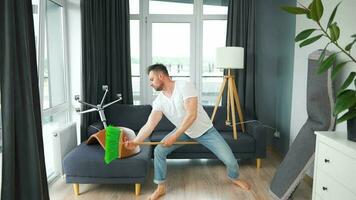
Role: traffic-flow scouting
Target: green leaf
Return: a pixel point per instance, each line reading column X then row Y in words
column 348, row 80
column 337, row 69
column 322, row 55
column 354, row 35
column 309, row 10
column 349, row 115
column 304, row 34
column 317, row 10
column 310, row 40
column 340, row 93
column 348, row 47
column 295, row 10
column 327, row 63
column 331, row 19
column 334, row 32
column 345, row 101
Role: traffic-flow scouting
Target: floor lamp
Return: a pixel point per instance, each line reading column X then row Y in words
column 230, row 58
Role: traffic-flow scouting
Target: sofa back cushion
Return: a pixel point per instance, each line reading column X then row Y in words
column 220, row 118
column 130, row 116
column 135, row 116
column 164, row 125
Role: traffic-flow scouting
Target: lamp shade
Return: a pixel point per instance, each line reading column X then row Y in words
column 230, row 57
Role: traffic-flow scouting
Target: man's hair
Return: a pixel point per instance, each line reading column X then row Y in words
column 158, row 68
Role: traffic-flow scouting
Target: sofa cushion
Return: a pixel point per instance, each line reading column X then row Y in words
column 244, row 143
column 88, row 161
column 220, row 118
column 130, row 116
column 164, row 125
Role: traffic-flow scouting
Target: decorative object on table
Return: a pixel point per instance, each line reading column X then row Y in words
column 230, row 58
column 346, row 98
column 320, row 100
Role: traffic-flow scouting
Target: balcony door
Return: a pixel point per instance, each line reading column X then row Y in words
column 172, row 44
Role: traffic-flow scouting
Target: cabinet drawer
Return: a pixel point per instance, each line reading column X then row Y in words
column 337, row 165
column 328, row 189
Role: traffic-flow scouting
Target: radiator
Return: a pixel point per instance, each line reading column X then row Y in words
column 64, row 140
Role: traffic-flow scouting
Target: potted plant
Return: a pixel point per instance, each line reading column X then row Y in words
column 346, row 97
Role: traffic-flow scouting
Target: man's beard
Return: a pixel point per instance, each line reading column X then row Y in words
column 158, row 88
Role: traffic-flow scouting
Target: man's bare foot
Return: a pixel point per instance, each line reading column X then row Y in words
column 160, row 191
column 242, row 184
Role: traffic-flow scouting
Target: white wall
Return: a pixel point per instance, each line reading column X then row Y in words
column 74, row 36
column 346, row 19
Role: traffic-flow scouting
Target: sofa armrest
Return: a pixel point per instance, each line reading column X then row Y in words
column 260, row 134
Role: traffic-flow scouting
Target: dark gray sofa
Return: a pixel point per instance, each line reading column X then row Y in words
column 85, row 163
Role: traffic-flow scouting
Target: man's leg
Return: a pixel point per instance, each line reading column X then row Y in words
column 160, row 165
column 216, row 144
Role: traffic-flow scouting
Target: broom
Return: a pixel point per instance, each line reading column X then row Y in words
column 113, row 136
column 115, row 148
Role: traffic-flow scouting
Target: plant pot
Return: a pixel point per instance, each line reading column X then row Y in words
column 351, row 129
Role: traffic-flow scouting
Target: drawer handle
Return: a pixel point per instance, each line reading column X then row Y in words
column 326, row 160
column 325, row 188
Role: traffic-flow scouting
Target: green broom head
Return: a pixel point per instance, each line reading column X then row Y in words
column 112, row 138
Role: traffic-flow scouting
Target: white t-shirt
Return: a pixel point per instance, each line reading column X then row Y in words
column 173, row 108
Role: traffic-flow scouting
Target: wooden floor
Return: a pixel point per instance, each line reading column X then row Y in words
column 189, row 179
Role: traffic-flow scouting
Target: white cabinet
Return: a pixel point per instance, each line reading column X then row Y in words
column 334, row 167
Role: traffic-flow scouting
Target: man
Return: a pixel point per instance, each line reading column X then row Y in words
column 178, row 101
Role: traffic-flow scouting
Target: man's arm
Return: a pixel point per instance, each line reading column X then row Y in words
column 146, row 130
column 150, row 125
column 191, row 107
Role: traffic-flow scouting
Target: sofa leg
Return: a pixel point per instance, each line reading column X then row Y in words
column 137, row 189
column 258, row 163
column 76, row 188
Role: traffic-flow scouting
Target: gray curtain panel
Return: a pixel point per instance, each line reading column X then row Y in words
column 23, row 165
column 241, row 32
column 105, row 53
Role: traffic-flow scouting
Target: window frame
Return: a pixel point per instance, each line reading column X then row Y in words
column 42, row 31
column 196, row 42
column 41, row 62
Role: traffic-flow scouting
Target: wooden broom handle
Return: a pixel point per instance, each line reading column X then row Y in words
column 156, row 143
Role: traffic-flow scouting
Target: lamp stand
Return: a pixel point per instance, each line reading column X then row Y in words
column 232, row 100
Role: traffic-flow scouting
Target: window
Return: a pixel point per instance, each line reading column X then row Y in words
column 214, row 34
column 52, row 70
column 54, row 77
column 171, row 7
column 170, row 46
column 215, row 7
column 135, row 59
column 183, row 35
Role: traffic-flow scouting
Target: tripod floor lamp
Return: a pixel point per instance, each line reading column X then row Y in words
column 230, row 58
